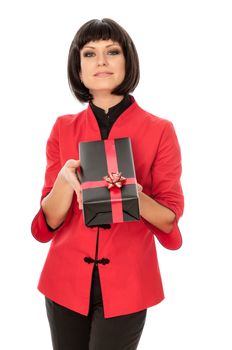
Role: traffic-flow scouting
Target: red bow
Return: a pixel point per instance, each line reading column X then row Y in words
column 114, row 180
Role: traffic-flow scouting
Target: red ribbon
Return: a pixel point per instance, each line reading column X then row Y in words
column 115, row 192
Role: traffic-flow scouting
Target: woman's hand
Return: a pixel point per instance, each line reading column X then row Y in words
column 69, row 174
column 139, row 187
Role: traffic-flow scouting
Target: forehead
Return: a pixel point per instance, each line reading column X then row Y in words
column 100, row 44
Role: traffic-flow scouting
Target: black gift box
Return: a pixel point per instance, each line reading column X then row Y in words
column 102, row 205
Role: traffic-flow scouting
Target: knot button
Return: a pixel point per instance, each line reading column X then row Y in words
column 103, row 261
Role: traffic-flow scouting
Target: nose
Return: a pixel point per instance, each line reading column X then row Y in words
column 102, row 59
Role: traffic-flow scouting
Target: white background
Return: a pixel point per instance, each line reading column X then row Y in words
column 185, row 56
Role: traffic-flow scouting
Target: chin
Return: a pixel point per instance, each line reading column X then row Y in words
column 102, row 87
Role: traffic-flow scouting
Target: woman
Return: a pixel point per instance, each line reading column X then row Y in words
column 98, row 282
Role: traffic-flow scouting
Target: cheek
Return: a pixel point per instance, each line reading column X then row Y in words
column 120, row 68
column 123, row 70
column 123, row 66
column 86, row 68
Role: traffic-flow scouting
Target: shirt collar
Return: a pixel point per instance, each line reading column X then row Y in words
column 113, row 112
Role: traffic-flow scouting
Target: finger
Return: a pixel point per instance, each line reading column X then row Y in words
column 76, row 186
column 73, row 163
column 74, row 182
column 79, row 199
column 78, row 176
column 79, row 195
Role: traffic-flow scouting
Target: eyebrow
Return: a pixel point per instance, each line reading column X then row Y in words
column 92, row 47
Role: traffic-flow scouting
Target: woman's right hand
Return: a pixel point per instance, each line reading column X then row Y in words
column 69, row 174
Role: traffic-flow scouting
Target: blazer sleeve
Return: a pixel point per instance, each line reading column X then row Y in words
column 39, row 227
column 166, row 185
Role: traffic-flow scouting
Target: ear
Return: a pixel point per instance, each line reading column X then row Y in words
column 80, row 75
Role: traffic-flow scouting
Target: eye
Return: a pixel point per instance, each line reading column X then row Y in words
column 88, row 54
column 114, row 52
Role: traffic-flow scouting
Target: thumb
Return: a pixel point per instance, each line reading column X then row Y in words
column 73, row 163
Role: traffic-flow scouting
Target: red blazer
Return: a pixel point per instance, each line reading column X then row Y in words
column 131, row 281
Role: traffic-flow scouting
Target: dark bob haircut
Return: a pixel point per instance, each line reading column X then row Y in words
column 95, row 30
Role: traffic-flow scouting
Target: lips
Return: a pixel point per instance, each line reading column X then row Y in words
column 102, row 74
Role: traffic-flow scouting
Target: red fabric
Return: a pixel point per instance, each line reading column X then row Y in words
column 115, row 195
column 131, row 281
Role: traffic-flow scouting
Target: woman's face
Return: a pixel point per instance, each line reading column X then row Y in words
column 102, row 66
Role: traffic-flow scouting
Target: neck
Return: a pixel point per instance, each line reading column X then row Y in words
column 106, row 101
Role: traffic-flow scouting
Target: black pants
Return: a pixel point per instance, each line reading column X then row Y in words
column 73, row 331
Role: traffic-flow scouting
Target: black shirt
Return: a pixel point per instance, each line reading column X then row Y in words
column 106, row 120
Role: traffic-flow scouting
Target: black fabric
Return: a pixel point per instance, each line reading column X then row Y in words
column 106, row 120
column 71, row 330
